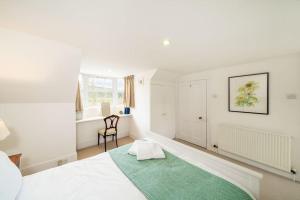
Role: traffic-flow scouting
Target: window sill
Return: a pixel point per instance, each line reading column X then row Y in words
column 98, row 118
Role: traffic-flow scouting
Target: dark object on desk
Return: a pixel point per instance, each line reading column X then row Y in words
column 127, row 111
column 16, row 159
column 111, row 124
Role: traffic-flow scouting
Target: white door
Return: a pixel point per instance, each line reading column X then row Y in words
column 192, row 112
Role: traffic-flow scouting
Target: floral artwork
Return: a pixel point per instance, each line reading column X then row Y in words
column 249, row 93
column 247, row 96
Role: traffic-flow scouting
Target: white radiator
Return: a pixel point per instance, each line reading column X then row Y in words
column 258, row 145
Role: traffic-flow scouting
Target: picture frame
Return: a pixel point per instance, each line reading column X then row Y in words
column 249, row 93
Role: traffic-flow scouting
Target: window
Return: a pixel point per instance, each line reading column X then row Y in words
column 120, row 91
column 96, row 90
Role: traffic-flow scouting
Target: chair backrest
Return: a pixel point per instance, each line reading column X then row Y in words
column 111, row 122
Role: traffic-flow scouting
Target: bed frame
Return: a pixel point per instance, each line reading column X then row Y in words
column 244, row 178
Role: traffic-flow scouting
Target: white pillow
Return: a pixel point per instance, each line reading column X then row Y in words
column 146, row 150
column 10, row 178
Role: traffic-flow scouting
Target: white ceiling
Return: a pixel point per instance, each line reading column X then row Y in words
column 119, row 37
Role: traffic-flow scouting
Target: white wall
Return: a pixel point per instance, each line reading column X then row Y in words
column 38, row 82
column 87, row 131
column 42, row 132
column 140, row 122
column 35, row 70
column 284, row 114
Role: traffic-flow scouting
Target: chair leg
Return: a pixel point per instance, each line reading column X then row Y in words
column 116, row 140
column 105, row 144
column 98, row 139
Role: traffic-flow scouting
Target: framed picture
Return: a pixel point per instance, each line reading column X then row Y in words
column 249, row 93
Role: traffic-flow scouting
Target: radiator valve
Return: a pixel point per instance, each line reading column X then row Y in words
column 293, row 171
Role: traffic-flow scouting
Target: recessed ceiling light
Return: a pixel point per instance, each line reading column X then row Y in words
column 166, row 42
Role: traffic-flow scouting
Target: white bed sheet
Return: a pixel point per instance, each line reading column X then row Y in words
column 98, row 177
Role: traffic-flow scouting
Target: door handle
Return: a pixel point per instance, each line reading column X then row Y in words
column 199, row 117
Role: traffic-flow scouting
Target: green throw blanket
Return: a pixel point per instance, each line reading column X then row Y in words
column 173, row 178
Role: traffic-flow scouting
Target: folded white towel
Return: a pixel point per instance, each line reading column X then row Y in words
column 133, row 149
column 144, row 150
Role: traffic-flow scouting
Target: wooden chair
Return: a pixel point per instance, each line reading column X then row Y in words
column 111, row 124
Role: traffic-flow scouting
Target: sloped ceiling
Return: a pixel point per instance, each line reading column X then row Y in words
column 124, row 36
column 165, row 76
column 34, row 70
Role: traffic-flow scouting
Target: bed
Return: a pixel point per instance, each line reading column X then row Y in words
column 99, row 177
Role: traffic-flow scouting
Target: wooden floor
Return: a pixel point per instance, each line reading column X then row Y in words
column 92, row 151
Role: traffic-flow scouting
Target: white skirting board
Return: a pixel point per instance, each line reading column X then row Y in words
column 47, row 164
column 258, row 165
